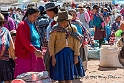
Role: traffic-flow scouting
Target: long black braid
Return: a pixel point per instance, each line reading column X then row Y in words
column 71, row 26
column 30, row 11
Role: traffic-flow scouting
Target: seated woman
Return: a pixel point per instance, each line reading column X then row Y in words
column 120, row 42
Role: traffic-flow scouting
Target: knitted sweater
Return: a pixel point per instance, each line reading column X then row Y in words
column 58, row 41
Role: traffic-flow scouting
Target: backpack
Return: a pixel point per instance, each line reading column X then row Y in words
column 41, row 24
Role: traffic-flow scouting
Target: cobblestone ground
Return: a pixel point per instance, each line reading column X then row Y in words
column 96, row 74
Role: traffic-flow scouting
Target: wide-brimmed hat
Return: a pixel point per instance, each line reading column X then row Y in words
column 117, row 16
column 2, row 18
column 62, row 16
column 50, row 6
column 80, row 6
column 4, row 10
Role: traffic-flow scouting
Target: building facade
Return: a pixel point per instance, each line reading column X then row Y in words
column 8, row 1
column 93, row 2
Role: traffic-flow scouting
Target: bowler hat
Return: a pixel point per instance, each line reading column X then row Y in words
column 62, row 16
column 2, row 18
column 4, row 10
column 50, row 6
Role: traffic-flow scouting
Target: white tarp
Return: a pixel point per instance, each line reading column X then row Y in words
column 27, row 1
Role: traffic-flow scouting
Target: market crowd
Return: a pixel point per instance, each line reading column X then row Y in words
column 55, row 39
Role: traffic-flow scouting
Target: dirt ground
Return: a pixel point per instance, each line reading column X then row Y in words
column 96, row 74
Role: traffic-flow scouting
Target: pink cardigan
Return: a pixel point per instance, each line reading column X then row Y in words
column 86, row 15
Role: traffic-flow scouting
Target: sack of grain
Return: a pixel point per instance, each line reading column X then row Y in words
column 109, row 57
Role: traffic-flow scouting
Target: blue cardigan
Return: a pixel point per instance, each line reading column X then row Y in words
column 97, row 21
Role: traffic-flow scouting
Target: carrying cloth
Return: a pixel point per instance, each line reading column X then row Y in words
column 34, row 76
column 68, row 33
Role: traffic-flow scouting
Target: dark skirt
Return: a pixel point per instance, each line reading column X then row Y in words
column 6, row 70
column 98, row 35
column 82, row 54
column 12, row 66
column 65, row 69
column 47, row 60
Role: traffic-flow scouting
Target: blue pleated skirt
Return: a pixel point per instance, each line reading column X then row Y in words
column 65, row 69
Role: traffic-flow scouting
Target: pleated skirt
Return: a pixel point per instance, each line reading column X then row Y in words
column 65, row 69
column 6, row 70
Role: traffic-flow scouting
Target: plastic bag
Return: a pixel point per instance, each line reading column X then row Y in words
column 118, row 33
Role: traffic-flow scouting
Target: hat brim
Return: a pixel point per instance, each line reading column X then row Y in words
column 4, row 12
column 79, row 8
column 51, row 8
column 59, row 20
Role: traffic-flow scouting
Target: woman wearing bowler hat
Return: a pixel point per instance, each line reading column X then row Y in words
column 51, row 10
column 64, row 46
column 6, row 51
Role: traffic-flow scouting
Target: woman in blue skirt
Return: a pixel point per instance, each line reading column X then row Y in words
column 64, row 46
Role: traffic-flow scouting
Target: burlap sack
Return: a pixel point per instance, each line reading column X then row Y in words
column 109, row 57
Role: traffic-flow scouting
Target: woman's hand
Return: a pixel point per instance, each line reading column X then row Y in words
column 75, row 59
column 38, row 53
column 53, row 60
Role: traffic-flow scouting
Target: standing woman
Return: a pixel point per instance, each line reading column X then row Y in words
column 6, row 50
column 27, row 45
column 116, row 24
column 83, row 16
column 97, row 22
column 83, row 31
column 64, row 47
column 51, row 11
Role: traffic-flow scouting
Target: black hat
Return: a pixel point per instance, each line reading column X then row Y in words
column 95, row 7
column 62, row 16
column 49, row 6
